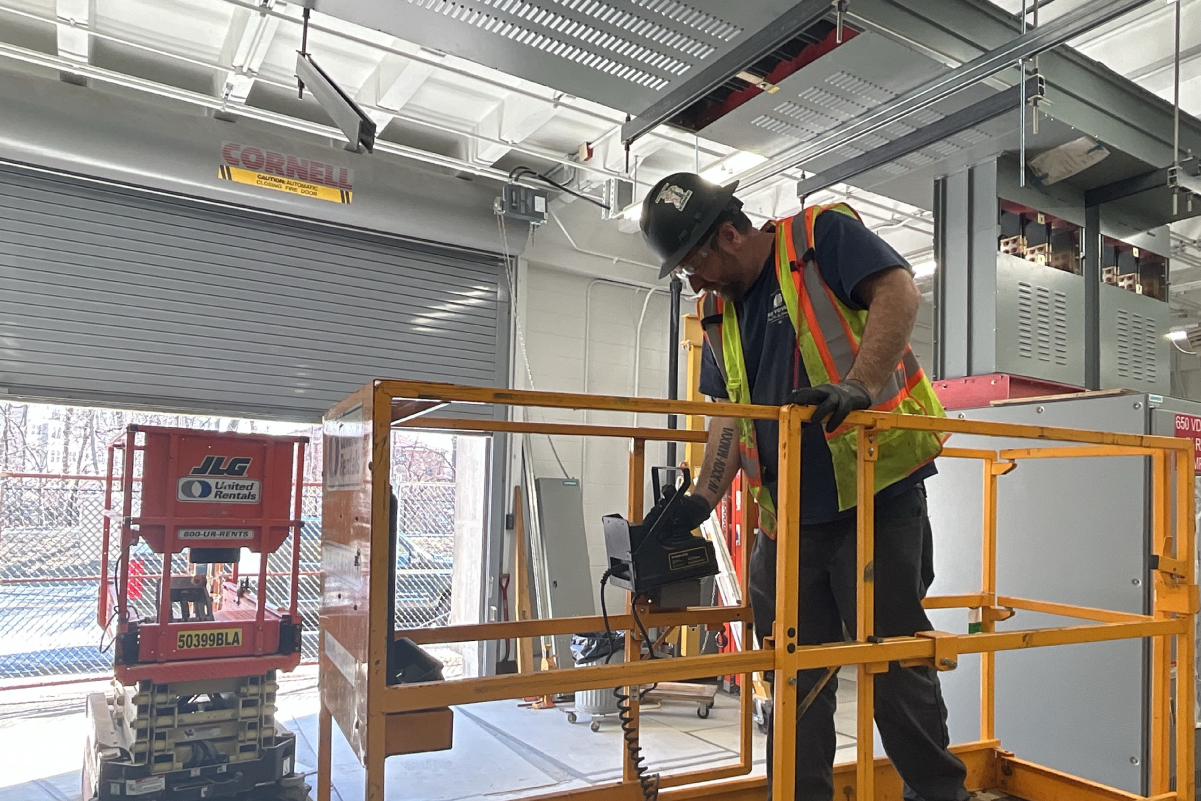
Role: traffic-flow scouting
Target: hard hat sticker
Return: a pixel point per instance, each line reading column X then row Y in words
column 674, row 195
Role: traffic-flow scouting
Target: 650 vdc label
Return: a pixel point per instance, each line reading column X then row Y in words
column 218, row 490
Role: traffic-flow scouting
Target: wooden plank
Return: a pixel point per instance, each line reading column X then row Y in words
column 420, row 732
column 325, row 762
column 703, row 775
column 523, row 598
column 380, row 613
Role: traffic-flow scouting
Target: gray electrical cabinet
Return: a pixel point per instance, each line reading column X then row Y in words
column 1073, row 531
column 1040, row 329
column 562, row 575
column 1040, row 321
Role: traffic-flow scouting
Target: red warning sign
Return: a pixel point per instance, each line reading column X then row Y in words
column 1189, row 425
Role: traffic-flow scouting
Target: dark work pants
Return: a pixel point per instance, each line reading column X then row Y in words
column 910, row 712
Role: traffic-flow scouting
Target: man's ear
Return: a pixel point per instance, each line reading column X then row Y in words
column 729, row 239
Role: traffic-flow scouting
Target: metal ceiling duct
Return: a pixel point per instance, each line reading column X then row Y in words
column 624, row 54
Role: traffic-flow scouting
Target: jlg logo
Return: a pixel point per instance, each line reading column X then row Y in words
column 217, row 466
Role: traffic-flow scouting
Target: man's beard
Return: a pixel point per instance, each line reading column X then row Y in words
column 731, row 293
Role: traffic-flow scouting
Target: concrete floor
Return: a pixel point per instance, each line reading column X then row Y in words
column 501, row 751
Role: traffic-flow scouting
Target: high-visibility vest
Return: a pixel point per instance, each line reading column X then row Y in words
column 828, row 335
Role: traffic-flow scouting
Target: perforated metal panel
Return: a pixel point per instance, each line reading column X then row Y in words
column 110, row 295
column 1134, row 346
column 623, row 53
column 1042, row 324
column 1040, row 321
column 844, row 84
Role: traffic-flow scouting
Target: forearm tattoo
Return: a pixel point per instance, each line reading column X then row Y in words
column 720, row 459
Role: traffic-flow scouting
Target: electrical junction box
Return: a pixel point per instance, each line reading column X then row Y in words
column 522, row 203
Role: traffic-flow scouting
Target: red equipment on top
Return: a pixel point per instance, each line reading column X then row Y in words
column 735, row 519
column 210, row 494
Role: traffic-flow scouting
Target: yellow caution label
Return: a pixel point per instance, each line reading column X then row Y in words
column 281, row 184
column 208, row 638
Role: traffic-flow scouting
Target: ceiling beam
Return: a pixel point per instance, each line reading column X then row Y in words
column 1026, row 45
column 512, row 121
column 975, row 114
column 247, row 41
column 75, row 18
column 392, row 84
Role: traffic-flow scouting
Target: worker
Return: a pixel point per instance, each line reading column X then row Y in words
column 817, row 310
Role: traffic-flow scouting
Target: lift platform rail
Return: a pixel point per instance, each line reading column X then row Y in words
column 380, row 720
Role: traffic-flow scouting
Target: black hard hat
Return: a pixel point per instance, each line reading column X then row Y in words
column 677, row 212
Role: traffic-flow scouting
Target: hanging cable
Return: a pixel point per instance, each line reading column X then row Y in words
column 629, row 728
column 521, row 171
column 511, row 281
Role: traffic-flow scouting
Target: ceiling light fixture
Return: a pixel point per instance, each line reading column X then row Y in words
column 732, row 166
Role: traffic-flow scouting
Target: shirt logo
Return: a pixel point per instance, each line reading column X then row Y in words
column 779, row 311
column 674, row 195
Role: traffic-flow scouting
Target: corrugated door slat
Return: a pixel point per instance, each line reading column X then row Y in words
column 113, row 296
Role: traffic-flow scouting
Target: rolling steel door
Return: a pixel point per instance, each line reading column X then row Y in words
column 115, row 296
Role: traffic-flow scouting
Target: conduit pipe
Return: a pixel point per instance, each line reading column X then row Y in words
column 237, row 107
column 250, row 112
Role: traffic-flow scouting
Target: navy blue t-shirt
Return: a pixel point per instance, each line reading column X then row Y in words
column 846, row 253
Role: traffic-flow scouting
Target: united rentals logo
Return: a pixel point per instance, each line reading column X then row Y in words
column 220, row 490
column 271, row 170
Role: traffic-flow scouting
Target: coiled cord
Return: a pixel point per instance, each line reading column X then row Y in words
column 629, row 730
column 629, row 733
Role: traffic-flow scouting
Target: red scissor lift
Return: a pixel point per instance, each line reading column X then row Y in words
column 191, row 713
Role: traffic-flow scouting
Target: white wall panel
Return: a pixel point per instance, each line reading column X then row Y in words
column 558, row 309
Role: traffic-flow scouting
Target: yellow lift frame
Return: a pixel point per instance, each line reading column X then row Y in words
column 381, row 720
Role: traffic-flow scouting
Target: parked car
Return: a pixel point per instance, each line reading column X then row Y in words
column 423, row 579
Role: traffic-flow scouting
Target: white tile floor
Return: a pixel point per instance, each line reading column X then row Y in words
column 501, row 751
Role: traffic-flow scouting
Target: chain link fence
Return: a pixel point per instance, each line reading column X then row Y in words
column 50, row 547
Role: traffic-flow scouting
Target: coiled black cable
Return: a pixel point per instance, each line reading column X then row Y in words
column 629, row 733
column 629, row 730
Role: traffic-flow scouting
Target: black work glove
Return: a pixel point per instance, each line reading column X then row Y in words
column 833, row 401
column 682, row 517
